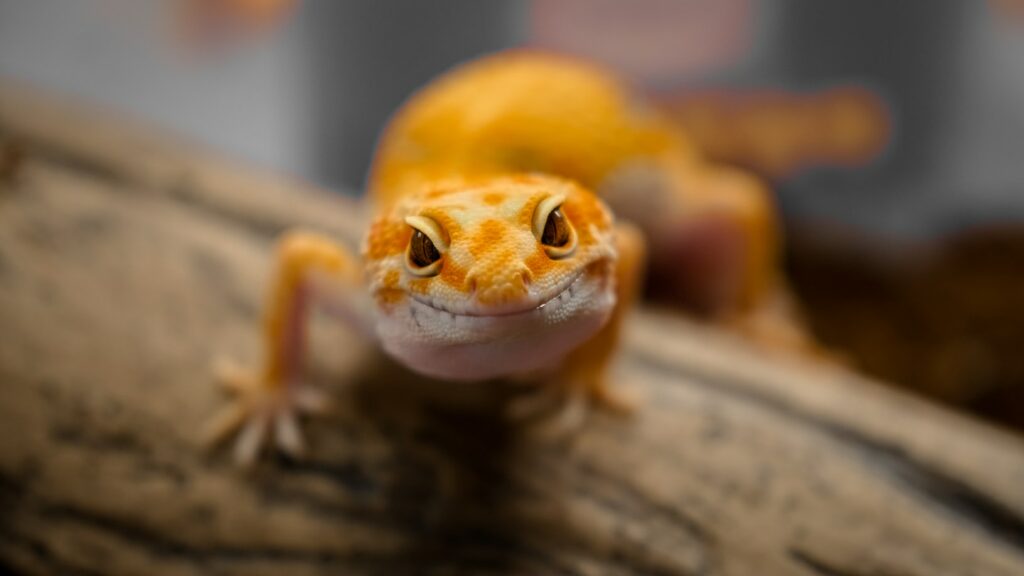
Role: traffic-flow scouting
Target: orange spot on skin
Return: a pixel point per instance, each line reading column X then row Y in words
column 452, row 274
column 387, row 237
column 391, row 279
column 582, row 211
column 539, row 263
column 493, row 198
column 390, row 297
column 488, row 235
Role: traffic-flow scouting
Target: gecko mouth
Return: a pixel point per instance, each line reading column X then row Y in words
column 563, row 292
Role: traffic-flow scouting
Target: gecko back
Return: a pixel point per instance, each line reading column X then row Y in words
column 519, row 111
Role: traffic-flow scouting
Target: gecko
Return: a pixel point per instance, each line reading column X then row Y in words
column 516, row 201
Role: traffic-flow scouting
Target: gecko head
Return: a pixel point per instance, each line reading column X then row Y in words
column 480, row 278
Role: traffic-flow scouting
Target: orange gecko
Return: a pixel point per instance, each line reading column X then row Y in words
column 494, row 250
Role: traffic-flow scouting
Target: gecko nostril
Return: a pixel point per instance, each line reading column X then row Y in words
column 526, row 278
column 471, row 286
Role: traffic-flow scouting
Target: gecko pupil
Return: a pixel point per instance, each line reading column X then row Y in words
column 422, row 251
column 556, row 229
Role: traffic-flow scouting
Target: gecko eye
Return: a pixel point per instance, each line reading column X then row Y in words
column 423, row 258
column 553, row 229
column 556, row 230
column 422, row 251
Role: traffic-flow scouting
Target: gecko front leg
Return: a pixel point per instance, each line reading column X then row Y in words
column 583, row 376
column 268, row 401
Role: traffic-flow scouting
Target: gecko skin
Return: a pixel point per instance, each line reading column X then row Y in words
column 492, row 250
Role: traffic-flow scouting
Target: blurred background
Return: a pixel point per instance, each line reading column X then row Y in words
column 892, row 132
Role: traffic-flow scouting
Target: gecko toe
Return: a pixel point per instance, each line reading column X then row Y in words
column 250, row 440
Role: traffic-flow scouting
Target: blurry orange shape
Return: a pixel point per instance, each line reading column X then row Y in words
column 1013, row 9
column 857, row 122
column 779, row 133
column 208, row 24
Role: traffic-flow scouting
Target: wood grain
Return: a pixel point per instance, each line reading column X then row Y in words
column 128, row 261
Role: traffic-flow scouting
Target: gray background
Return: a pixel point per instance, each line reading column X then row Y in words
column 310, row 98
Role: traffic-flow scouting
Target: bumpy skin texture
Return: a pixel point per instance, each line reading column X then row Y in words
column 476, row 165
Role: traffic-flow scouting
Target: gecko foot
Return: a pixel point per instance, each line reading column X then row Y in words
column 560, row 410
column 618, row 402
column 261, row 413
column 549, row 411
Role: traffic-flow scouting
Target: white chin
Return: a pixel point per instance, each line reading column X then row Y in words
column 454, row 347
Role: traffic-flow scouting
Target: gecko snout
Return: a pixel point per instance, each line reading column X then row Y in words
column 504, row 287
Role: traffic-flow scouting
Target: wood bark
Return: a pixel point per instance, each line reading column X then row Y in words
column 128, row 262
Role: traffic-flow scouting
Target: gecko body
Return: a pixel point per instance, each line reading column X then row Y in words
column 493, row 251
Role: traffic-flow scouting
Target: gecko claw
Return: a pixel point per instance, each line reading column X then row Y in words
column 261, row 413
column 553, row 411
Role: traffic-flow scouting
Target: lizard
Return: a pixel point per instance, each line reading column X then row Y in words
column 494, row 250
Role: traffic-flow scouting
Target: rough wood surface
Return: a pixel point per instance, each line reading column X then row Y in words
column 127, row 262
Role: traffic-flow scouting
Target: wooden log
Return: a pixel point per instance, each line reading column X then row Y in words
column 128, row 262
